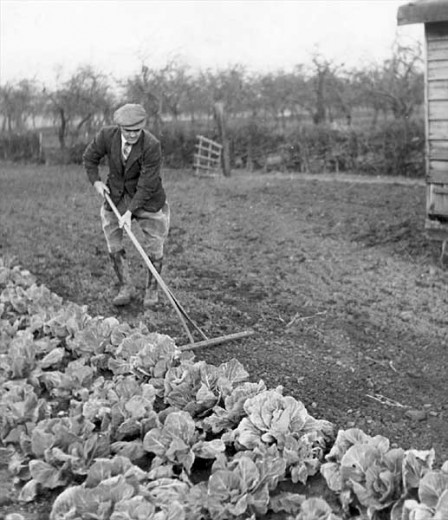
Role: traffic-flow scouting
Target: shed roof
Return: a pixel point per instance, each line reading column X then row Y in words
column 423, row 11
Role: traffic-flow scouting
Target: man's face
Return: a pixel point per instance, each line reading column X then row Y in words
column 131, row 136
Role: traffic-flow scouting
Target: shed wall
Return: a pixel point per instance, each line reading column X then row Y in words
column 436, row 91
column 437, row 100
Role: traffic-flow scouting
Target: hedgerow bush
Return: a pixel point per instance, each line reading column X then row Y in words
column 396, row 148
column 392, row 148
column 20, row 147
column 178, row 147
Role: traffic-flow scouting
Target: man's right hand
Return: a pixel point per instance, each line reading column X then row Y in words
column 100, row 188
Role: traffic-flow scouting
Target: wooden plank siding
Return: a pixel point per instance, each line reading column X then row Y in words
column 438, row 130
column 438, row 150
column 437, row 49
column 438, row 172
column 436, row 94
column 438, row 90
column 437, row 202
column 438, row 70
column 438, row 110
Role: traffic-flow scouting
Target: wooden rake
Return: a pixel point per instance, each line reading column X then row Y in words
column 180, row 311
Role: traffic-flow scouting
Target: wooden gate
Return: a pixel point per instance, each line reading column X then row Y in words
column 207, row 159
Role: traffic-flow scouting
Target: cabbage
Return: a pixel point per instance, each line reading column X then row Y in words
column 433, row 496
column 227, row 417
column 272, row 418
column 236, row 490
column 173, row 441
column 362, row 469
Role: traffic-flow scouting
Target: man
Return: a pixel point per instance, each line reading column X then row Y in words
column 135, row 187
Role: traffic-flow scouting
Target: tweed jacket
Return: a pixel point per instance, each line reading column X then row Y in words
column 139, row 177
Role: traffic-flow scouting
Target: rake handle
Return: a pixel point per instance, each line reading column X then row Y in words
column 152, row 269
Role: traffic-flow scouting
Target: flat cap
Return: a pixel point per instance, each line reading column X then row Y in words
column 131, row 115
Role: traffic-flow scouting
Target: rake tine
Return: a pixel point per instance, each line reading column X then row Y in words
column 216, row 341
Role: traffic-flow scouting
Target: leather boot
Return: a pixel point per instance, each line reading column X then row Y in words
column 152, row 286
column 121, row 268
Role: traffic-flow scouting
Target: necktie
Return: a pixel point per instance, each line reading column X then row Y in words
column 126, row 151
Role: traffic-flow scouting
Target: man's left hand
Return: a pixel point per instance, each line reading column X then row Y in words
column 125, row 220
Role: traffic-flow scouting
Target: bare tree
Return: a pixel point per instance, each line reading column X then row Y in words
column 227, row 86
column 312, row 89
column 144, row 88
column 196, row 97
column 397, row 86
column 77, row 102
column 18, row 103
column 175, row 84
column 343, row 94
column 278, row 92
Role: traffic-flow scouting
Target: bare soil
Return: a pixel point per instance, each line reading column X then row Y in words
column 346, row 295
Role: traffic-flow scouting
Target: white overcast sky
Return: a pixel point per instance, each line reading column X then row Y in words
column 38, row 38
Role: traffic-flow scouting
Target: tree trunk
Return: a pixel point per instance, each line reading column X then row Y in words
column 77, row 130
column 320, row 114
column 374, row 121
column 62, row 129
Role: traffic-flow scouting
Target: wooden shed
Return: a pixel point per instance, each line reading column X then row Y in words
column 434, row 15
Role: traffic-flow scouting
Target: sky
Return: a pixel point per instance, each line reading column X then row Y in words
column 50, row 39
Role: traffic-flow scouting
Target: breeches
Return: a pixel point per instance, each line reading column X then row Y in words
column 154, row 226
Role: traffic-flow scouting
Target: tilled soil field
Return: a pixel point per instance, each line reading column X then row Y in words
column 346, row 296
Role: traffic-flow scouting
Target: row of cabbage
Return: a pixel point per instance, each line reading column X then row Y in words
column 123, row 425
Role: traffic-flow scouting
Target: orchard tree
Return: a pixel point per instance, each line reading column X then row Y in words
column 18, row 103
column 197, row 96
column 311, row 89
column 227, row 86
column 145, row 88
column 81, row 102
column 344, row 94
column 277, row 92
column 323, row 72
column 251, row 97
column 175, row 82
column 397, row 86
column 163, row 91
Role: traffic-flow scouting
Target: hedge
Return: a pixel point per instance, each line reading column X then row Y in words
column 393, row 148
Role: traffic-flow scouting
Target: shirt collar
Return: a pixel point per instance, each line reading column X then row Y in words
column 123, row 141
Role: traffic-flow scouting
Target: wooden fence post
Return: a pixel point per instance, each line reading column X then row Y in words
column 41, row 147
column 221, row 123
